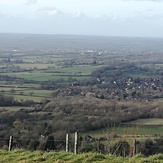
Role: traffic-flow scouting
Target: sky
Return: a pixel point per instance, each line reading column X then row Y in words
column 131, row 18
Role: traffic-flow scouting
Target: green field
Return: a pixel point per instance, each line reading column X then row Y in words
column 37, row 76
column 80, row 69
column 138, row 75
column 149, row 121
column 11, row 108
column 26, row 92
column 36, row 93
column 40, row 76
column 26, row 98
column 139, row 128
column 29, row 66
column 77, row 72
column 7, row 89
column 127, row 132
column 32, row 59
column 4, row 85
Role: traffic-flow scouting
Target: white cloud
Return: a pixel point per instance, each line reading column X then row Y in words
column 116, row 17
column 50, row 11
column 102, row 17
column 79, row 15
column 30, row 2
column 53, row 11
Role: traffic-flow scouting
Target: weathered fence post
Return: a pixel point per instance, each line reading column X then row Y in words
column 76, row 143
column 134, row 149
column 10, row 143
column 67, row 142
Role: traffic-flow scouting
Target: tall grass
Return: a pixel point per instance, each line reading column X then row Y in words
column 21, row 156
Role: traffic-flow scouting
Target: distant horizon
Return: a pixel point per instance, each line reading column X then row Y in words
column 83, row 35
column 65, row 41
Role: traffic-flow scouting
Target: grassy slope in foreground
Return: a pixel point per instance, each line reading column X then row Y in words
column 20, row 156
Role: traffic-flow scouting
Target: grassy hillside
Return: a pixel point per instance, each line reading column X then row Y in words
column 20, row 156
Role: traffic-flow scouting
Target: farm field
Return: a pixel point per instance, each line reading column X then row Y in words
column 30, row 91
column 77, row 72
column 138, row 128
column 26, row 92
column 30, row 60
column 28, row 98
column 29, row 66
column 126, row 132
column 12, row 108
column 38, row 76
column 6, row 85
column 148, row 122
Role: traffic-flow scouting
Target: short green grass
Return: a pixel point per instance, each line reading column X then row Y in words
column 21, row 156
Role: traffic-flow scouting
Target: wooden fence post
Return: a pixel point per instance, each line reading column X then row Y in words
column 67, row 142
column 10, row 143
column 134, row 149
column 76, row 143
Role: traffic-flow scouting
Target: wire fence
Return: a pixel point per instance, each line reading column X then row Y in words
column 79, row 144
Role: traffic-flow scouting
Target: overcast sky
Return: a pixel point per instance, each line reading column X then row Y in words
column 138, row 18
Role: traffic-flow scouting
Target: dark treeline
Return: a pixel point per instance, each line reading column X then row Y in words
column 70, row 114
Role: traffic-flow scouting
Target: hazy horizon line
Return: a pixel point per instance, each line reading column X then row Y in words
column 81, row 35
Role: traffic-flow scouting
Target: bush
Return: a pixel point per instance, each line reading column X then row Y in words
column 121, row 148
column 87, row 148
